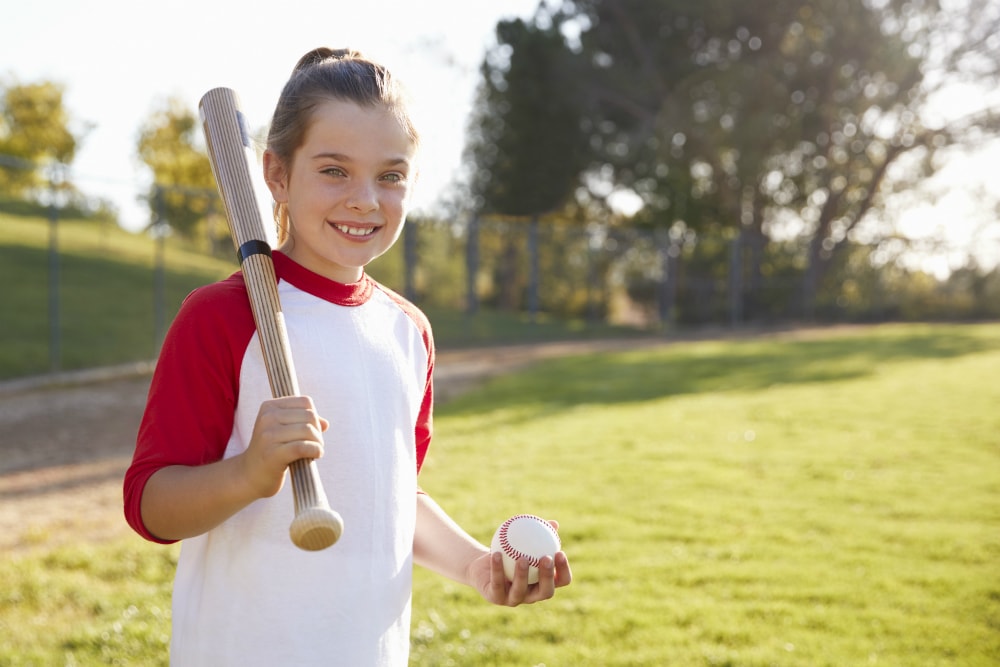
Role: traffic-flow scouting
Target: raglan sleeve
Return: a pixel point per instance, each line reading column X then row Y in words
column 189, row 411
column 425, row 418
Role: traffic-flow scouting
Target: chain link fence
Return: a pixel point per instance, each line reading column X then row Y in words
column 589, row 273
column 653, row 279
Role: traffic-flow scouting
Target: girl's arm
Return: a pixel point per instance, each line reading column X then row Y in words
column 184, row 501
column 443, row 546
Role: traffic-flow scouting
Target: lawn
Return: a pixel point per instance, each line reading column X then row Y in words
column 821, row 500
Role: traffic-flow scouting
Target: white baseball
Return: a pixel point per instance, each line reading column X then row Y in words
column 525, row 536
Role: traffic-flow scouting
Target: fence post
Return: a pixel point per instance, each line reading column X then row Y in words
column 410, row 260
column 735, row 281
column 472, row 265
column 55, row 347
column 534, row 280
column 159, row 271
column 593, row 245
column 667, row 284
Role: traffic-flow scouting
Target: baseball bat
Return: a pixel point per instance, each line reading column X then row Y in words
column 231, row 155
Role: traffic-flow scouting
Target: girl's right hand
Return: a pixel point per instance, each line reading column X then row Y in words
column 286, row 429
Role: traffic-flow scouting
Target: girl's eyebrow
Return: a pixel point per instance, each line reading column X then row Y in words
column 340, row 157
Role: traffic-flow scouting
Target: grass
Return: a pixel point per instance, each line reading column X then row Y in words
column 821, row 501
column 816, row 502
column 107, row 299
column 87, row 605
column 110, row 310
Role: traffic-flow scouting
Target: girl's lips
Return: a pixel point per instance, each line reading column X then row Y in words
column 353, row 231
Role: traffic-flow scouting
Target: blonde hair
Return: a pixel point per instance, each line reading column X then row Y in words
column 326, row 74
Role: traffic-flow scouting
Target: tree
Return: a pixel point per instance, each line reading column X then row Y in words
column 527, row 142
column 34, row 133
column 183, row 192
column 867, row 132
column 744, row 119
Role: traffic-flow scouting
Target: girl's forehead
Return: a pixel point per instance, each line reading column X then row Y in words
column 346, row 119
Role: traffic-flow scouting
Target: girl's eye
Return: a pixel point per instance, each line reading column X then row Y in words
column 333, row 171
column 394, row 177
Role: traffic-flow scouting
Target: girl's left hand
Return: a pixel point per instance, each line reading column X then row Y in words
column 488, row 576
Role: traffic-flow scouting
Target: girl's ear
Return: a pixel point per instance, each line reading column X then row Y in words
column 275, row 175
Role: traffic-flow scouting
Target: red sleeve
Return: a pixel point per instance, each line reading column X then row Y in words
column 192, row 397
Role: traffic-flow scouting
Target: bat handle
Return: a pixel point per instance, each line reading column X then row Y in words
column 315, row 525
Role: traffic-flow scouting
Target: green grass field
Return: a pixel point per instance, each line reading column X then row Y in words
column 831, row 500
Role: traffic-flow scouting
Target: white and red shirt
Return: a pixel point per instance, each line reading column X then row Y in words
column 243, row 593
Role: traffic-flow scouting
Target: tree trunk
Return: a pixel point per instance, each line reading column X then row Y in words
column 817, row 261
column 509, row 284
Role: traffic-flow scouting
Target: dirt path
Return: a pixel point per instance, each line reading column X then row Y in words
column 65, row 448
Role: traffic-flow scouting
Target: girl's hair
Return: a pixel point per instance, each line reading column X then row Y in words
column 322, row 75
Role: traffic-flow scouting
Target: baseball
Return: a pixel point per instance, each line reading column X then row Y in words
column 528, row 536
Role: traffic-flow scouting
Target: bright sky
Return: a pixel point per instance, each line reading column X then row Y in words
column 120, row 59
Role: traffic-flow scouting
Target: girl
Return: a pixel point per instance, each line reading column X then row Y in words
column 213, row 446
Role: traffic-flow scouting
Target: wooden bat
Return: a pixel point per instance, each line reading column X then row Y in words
column 231, row 154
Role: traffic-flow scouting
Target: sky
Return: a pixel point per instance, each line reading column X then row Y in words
column 120, row 60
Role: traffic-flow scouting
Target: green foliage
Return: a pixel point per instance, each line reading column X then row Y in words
column 529, row 146
column 802, row 500
column 438, row 279
column 34, row 130
column 728, row 118
column 184, row 192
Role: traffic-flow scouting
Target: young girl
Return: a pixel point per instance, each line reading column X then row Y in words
column 213, row 446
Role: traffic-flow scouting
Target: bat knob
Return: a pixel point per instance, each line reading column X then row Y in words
column 316, row 528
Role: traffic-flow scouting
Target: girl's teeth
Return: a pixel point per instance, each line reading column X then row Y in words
column 354, row 231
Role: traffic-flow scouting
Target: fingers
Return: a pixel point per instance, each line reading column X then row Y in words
column 498, row 579
column 553, row 573
column 291, row 424
column 563, row 573
column 286, row 429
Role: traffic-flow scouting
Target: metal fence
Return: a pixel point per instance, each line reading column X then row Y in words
column 596, row 274
column 653, row 279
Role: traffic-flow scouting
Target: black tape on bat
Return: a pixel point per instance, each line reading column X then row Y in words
column 253, row 247
column 241, row 120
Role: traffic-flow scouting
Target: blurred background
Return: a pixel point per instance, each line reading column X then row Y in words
column 653, row 165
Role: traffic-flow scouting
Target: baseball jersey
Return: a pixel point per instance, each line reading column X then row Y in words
column 243, row 593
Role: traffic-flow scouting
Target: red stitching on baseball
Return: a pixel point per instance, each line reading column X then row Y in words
column 508, row 548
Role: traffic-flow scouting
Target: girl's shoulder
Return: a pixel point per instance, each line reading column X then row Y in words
column 220, row 305
column 224, row 297
column 415, row 315
column 231, row 288
column 404, row 304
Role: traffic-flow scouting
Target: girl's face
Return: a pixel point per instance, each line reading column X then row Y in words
column 347, row 189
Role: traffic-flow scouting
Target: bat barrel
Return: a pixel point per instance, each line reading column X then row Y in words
column 231, row 155
column 315, row 526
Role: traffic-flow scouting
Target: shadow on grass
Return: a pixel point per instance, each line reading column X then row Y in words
column 720, row 366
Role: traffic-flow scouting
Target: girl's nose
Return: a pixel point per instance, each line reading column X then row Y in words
column 363, row 198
